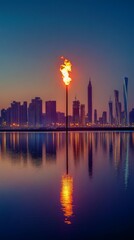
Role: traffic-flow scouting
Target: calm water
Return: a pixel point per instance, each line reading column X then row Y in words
column 53, row 190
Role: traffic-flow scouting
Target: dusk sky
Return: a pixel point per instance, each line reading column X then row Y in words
column 97, row 36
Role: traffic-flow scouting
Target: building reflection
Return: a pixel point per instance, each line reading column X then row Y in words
column 35, row 144
column 79, row 144
column 83, row 147
column 127, row 160
column 51, row 146
column 90, row 156
column 66, row 194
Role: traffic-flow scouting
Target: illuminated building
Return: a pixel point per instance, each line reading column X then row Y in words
column 90, row 102
column 125, row 96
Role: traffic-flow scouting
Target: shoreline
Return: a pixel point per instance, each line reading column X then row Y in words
column 76, row 129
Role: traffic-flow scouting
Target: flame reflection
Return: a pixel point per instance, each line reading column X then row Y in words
column 66, row 197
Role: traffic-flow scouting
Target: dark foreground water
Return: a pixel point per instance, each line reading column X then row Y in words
column 53, row 190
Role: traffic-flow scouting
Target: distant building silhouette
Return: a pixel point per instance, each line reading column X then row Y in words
column 90, row 102
column 131, row 117
column 125, row 96
column 3, row 117
column 35, row 112
column 82, row 114
column 95, row 116
column 104, row 117
column 61, row 117
column 23, row 114
column 15, row 113
column 51, row 116
column 76, row 111
column 110, row 112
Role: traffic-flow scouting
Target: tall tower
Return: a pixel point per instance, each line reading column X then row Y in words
column 90, row 102
column 125, row 96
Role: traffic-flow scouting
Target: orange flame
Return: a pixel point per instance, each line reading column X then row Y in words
column 65, row 68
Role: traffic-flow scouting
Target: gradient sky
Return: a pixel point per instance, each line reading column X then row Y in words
column 97, row 36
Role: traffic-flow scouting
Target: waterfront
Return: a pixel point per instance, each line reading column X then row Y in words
column 53, row 187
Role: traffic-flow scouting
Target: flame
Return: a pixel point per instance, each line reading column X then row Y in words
column 66, row 197
column 65, row 68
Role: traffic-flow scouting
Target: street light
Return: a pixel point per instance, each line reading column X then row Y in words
column 65, row 68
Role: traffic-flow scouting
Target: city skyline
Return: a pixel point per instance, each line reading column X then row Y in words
column 34, row 34
column 31, row 115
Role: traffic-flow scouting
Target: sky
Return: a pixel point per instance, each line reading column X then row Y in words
column 97, row 36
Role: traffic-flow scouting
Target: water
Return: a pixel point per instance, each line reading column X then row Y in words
column 53, row 190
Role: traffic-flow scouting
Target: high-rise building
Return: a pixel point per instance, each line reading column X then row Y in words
column 95, row 116
column 117, row 117
column 51, row 116
column 23, row 114
column 35, row 112
column 15, row 113
column 120, row 111
column 110, row 112
column 125, row 96
column 8, row 120
column 3, row 116
column 131, row 117
column 90, row 102
column 82, row 114
column 104, row 117
column 76, row 109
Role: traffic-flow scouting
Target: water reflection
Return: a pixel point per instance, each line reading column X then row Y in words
column 66, row 195
column 52, row 180
column 35, row 148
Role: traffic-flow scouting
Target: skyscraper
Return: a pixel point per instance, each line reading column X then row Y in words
column 76, row 111
column 15, row 113
column 95, row 116
column 23, row 114
column 110, row 112
column 90, row 102
column 117, row 117
column 35, row 112
column 104, row 117
column 82, row 114
column 125, row 96
column 51, row 115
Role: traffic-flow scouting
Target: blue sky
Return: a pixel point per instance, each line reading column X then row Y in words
column 96, row 35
